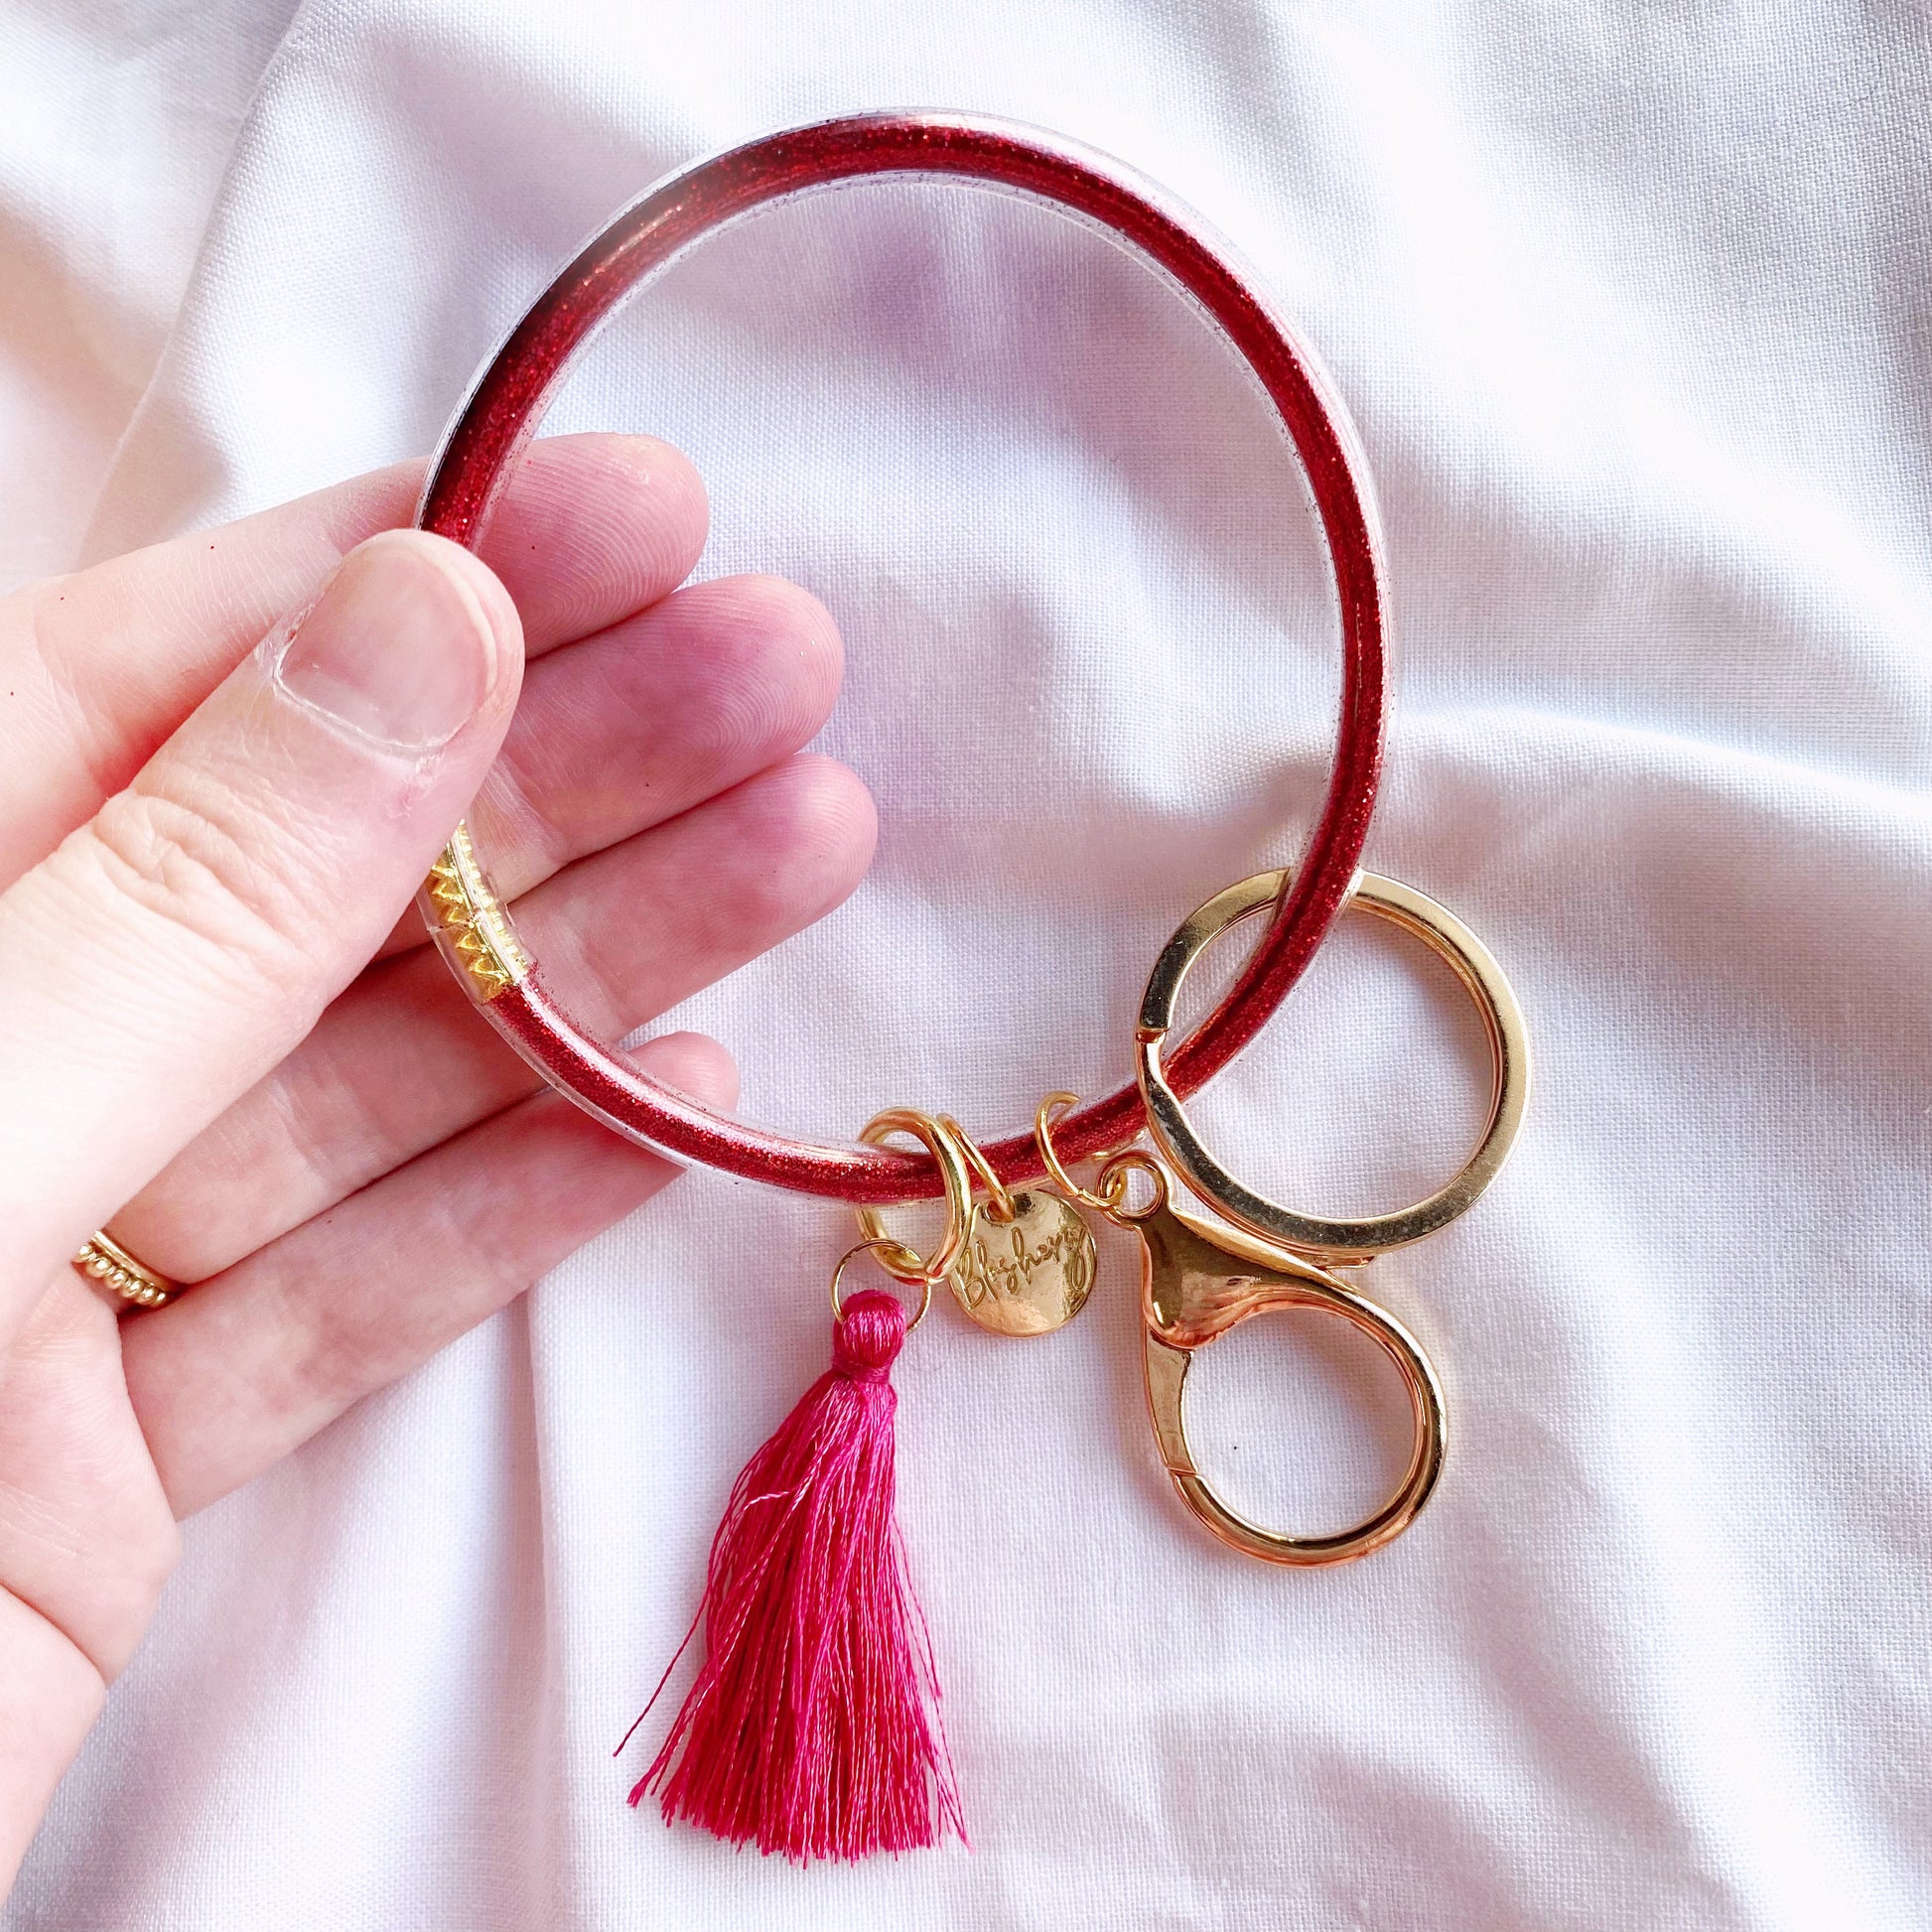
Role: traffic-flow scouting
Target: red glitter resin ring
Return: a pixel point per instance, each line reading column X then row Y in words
column 505, row 405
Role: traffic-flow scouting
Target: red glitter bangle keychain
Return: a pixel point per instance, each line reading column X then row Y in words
column 506, row 406
column 811, row 1728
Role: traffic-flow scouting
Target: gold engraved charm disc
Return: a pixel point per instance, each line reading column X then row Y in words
column 1027, row 1275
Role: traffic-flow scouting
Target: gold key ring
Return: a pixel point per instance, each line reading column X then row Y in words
column 1315, row 1234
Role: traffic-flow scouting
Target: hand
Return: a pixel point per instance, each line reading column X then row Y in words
column 221, row 1030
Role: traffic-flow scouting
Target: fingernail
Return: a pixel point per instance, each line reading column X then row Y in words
column 399, row 649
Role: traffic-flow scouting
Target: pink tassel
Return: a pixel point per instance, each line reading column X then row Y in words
column 812, row 1728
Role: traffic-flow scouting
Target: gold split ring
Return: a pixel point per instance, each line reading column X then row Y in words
column 1314, row 1234
column 102, row 1259
column 905, row 1264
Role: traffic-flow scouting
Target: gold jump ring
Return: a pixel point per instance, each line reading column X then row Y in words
column 998, row 1197
column 872, row 1248
column 1113, row 1183
column 1046, row 1118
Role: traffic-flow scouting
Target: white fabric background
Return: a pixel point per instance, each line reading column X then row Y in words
column 1630, row 303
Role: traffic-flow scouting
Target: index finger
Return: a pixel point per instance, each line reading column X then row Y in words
column 103, row 665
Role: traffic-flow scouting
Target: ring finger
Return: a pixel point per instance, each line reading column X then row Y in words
column 250, row 1365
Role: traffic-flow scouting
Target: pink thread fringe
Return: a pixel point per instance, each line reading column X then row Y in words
column 812, row 1729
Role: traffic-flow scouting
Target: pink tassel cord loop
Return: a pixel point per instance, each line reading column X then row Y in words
column 812, row 1729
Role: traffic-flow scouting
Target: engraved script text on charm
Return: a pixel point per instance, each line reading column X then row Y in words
column 1027, row 1275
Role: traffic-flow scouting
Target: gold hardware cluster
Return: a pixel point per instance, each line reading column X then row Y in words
column 1023, row 1263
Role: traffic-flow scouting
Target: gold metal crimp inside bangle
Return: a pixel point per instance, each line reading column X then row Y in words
column 471, row 923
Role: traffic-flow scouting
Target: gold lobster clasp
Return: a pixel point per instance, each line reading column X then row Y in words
column 1197, row 1282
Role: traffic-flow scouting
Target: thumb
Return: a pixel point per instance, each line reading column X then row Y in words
column 171, row 951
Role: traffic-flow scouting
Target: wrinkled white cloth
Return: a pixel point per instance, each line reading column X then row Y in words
column 1629, row 303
